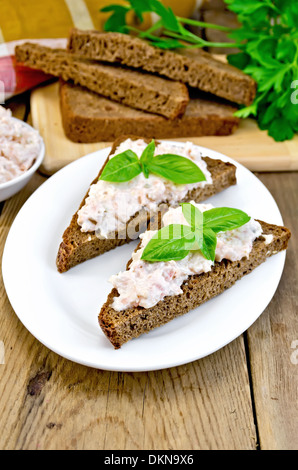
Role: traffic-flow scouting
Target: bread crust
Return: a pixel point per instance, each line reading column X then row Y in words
column 137, row 89
column 120, row 327
column 88, row 118
column 78, row 246
column 196, row 68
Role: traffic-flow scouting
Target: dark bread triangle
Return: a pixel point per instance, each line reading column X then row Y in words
column 120, row 327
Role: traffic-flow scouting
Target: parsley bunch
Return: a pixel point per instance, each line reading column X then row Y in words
column 268, row 43
column 268, row 40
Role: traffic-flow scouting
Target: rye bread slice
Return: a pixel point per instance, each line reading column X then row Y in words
column 133, row 88
column 88, row 117
column 196, row 68
column 120, row 327
column 77, row 246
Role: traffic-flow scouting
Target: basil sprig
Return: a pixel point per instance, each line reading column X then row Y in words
column 175, row 241
column 126, row 165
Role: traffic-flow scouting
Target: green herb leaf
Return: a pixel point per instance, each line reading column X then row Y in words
column 168, row 23
column 117, row 21
column 209, row 244
column 195, row 219
column 221, row 219
column 121, row 168
column 269, row 39
column 192, row 215
column 240, row 60
column 167, row 43
column 172, row 242
column 126, row 166
column 140, row 7
column 281, row 129
column 180, row 170
column 146, row 157
column 175, row 241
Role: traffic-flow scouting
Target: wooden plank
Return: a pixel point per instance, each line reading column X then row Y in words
column 273, row 339
column 48, row 402
column 248, row 145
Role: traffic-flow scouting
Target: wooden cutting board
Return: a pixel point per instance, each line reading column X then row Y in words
column 248, row 145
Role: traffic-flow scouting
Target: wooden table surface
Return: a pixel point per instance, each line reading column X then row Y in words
column 242, row 397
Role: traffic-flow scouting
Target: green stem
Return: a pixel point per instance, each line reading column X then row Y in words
column 199, row 42
column 214, row 44
column 192, row 40
column 202, row 24
column 152, row 29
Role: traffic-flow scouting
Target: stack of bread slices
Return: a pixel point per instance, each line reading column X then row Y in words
column 113, row 84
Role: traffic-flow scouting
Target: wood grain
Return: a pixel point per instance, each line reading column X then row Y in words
column 248, row 145
column 48, row 402
column 271, row 338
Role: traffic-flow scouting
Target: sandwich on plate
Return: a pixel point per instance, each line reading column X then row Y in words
column 199, row 252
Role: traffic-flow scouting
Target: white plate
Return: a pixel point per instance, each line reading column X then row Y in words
column 61, row 310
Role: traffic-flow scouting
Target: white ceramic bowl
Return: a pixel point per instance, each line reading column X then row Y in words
column 12, row 187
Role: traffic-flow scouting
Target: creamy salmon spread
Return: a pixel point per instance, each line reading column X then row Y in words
column 109, row 206
column 19, row 146
column 144, row 284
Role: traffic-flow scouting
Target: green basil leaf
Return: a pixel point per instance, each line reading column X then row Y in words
column 180, row 170
column 224, row 218
column 192, row 215
column 199, row 238
column 146, row 157
column 123, row 167
column 209, row 244
column 172, row 242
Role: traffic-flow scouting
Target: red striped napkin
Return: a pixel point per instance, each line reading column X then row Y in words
column 16, row 78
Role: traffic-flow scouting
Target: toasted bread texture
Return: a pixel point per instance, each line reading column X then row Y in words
column 137, row 89
column 88, row 117
column 77, row 246
column 120, row 327
column 196, row 68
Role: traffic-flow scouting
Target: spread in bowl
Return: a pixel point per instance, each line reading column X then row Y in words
column 20, row 146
